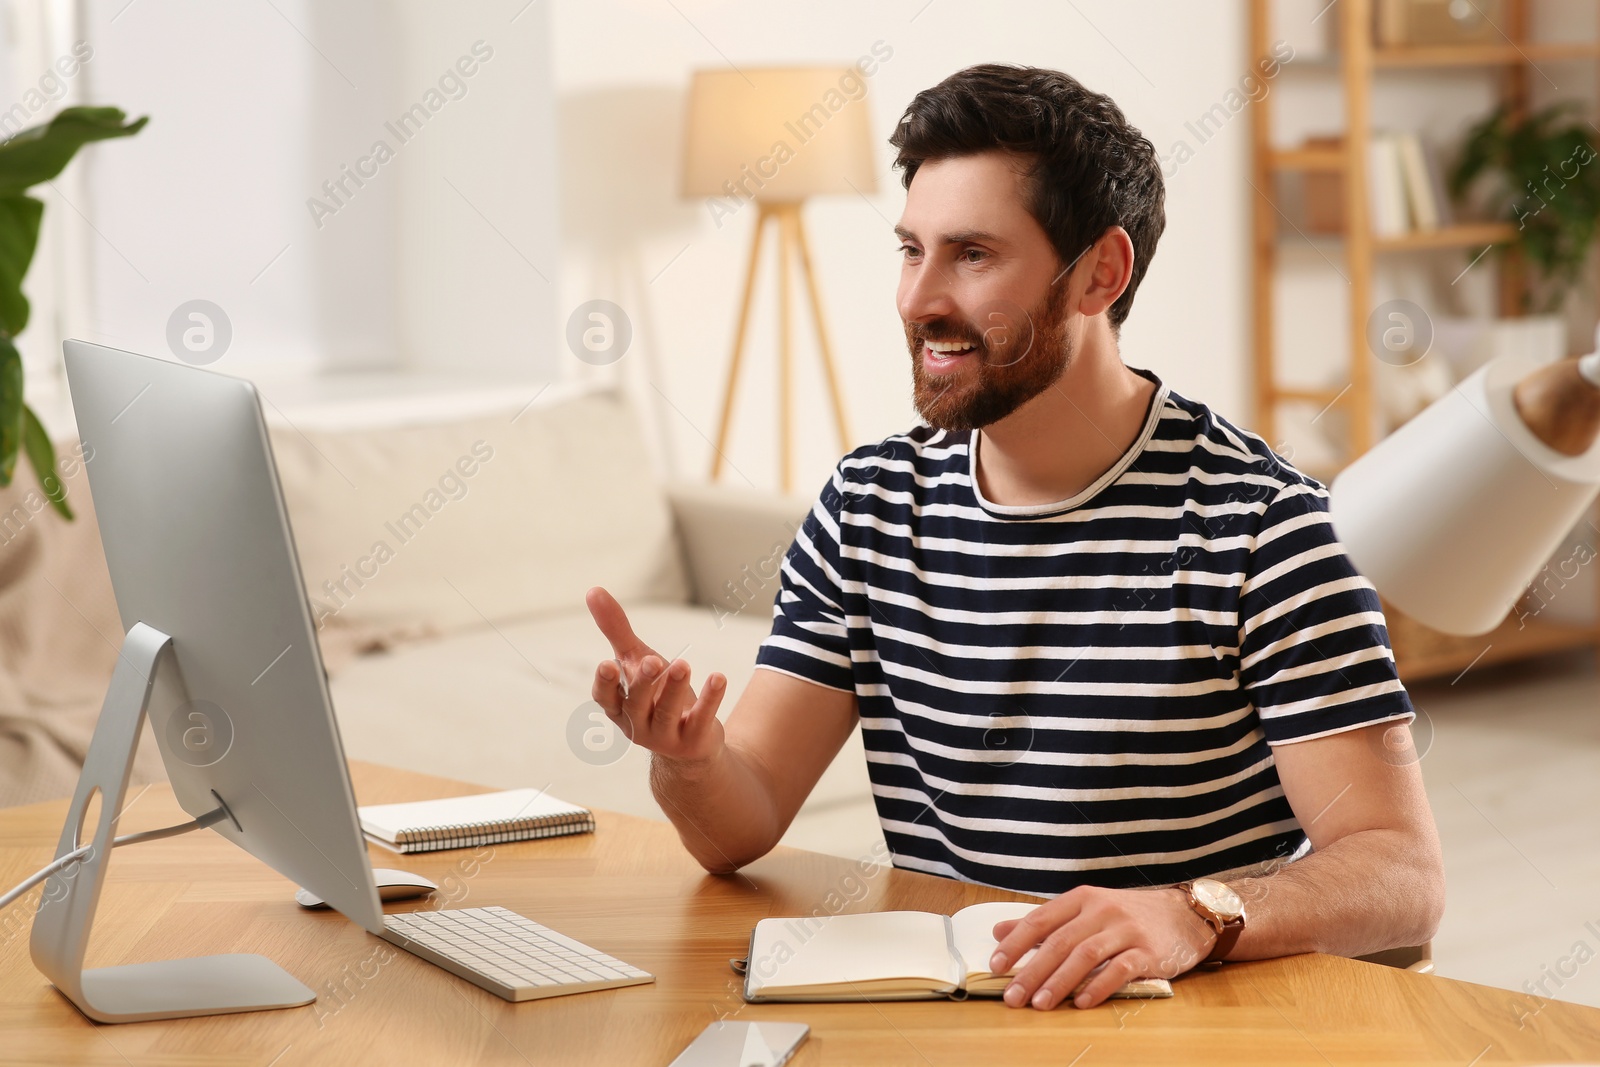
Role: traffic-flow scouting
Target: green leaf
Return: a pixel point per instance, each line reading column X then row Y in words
column 39, row 153
column 1546, row 180
column 42, row 454
column 10, row 408
column 19, row 235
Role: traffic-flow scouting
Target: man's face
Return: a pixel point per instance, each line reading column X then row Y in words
column 980, row 276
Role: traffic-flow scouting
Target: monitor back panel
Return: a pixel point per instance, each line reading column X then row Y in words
column 198, row 544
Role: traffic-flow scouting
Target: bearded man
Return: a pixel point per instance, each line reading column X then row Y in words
column 1102, row 644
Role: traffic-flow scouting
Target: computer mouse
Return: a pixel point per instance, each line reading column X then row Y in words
column 392, row 885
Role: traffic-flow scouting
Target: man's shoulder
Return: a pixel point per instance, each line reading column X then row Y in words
column 885, row 473
column 1226, row 451
column 921, row 450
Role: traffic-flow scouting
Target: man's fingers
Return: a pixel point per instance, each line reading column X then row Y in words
column 1064, row 959
column 613, row 622
column 1053, row 947
column 1118, row 972
column 674, row 696
column 704, row 709
column 607, row 692
column 1028, row 931
column 640, row 702
column 606, row 689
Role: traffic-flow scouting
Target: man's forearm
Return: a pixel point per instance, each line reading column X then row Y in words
column 722, row 807
column 1366, row 892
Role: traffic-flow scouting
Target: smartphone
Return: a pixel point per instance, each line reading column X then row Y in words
column 734, row 1044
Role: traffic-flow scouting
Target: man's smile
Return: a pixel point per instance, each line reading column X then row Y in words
column 941, row 357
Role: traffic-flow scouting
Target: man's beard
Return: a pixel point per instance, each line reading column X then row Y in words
column 1018, row 356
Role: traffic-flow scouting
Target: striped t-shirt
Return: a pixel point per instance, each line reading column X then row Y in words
column 1085, row 692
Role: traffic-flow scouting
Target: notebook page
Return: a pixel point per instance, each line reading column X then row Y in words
column 388, row 821
column 974, row 932
column 835, row 949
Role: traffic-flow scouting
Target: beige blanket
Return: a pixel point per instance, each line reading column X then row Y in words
column 59, row 635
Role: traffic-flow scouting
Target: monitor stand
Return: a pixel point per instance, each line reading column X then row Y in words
column 166, row 989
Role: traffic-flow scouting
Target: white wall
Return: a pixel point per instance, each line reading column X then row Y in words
column 477, row 254
column 621, row 68
column 213, row 188
column 253, row 108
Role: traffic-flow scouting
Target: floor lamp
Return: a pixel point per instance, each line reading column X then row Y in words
column 771, row 138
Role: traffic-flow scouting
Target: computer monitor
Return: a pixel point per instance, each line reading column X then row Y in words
column 200, row 552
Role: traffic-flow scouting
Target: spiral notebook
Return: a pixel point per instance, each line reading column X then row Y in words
column 470, row 821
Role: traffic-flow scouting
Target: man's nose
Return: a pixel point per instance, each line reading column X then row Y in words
column 925, row 296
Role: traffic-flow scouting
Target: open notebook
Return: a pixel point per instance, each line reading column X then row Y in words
column 890, row 955
column 470, row 821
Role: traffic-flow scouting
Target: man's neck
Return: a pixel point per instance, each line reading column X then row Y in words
column 1059, row 443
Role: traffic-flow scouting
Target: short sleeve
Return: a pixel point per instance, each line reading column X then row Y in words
column 809, row 637
column 1314, row 651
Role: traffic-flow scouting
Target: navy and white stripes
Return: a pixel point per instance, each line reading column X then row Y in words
column 1087, row 691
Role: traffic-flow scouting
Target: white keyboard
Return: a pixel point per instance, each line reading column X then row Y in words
column 510, row 956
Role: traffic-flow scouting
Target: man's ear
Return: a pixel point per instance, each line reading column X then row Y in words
column 1108, row 265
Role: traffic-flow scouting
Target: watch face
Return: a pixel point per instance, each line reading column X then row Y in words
column 1219, row 897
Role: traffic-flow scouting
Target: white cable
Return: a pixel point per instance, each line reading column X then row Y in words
column 126, row 839
column 34, row 879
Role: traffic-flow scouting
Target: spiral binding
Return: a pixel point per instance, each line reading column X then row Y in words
column 498, row 832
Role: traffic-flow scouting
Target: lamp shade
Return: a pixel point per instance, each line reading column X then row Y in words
column 1455, row 512
column 778, row 133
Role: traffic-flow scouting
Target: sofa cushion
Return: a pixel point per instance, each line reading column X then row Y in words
column 417, row 529
column 496, row 706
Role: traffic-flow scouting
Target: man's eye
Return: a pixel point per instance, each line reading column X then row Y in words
column 980, row 253
column 908, row 249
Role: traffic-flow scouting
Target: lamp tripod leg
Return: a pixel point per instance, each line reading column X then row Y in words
column 717, row 454
column 835, row 394
column 786, row 220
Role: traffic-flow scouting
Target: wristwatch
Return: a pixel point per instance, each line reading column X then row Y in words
column 1218, row 904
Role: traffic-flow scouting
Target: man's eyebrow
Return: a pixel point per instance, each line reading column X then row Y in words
column 957, row 237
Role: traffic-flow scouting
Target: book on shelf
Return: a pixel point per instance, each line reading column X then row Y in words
column 470, row 821
column 1405, row 187
column 1387, row 206
column 1424, row 209
column 890, row 955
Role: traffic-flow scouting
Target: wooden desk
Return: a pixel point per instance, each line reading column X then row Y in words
column 630, row 890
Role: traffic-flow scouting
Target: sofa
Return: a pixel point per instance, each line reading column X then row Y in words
column 446, row 548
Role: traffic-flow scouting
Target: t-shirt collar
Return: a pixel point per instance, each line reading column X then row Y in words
column 1152, row 417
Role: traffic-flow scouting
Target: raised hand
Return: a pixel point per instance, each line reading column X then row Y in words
column 649, row 699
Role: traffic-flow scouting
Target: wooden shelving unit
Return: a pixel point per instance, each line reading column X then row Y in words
column 1419, row 652
column 1482, row 55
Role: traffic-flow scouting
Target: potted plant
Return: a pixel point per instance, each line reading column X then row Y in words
column 35, row 155
column 1546, row 181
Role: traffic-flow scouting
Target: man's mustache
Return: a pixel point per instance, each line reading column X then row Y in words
column 922, row 335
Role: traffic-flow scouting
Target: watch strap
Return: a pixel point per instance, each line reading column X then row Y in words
column 1227, row 937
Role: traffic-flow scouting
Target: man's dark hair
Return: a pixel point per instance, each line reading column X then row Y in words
column 1089, row 169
